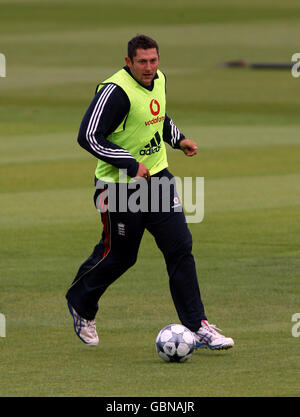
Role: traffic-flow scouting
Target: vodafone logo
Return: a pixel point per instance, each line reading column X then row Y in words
column 154, row 107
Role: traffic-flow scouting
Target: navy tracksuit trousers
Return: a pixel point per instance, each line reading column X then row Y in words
column 118, row 248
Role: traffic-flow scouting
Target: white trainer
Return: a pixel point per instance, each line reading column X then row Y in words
column 85, row 329
column 208, row 337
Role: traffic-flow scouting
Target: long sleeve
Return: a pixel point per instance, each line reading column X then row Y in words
column 171, row 133
column 108, row 109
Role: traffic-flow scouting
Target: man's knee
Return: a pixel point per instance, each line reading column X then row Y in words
column 123, row 262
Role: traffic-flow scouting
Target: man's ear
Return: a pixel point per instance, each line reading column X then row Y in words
column 127, row 60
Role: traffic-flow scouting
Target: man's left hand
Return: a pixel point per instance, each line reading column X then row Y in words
column 188, row 147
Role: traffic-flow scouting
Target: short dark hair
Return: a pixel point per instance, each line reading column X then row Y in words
column 140, row 42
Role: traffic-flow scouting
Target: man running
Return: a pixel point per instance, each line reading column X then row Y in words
column 126, row 128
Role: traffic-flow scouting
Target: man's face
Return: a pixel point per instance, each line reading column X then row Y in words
column 144, row 65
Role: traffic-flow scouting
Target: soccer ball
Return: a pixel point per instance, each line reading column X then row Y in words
column 175, row 343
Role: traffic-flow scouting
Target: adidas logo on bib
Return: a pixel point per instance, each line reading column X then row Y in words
column 153, row 146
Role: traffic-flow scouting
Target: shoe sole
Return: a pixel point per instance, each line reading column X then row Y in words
column 220, row 347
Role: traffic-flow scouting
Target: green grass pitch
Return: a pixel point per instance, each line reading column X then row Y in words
column 247, row 249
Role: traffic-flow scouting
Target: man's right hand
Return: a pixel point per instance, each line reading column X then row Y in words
column 143, row 171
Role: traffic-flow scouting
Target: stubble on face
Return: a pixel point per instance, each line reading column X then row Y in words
column 144, row 65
